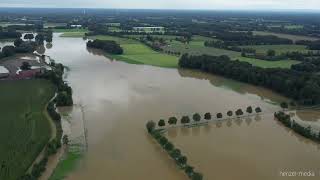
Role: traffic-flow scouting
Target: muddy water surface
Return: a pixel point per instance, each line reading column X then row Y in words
column 114, row 100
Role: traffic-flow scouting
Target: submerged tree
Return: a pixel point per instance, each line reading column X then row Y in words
column 189, row 170
column 258, row 110
column 169, row 146
column 163, row 141
column 197, row 176
column 249, row 110
column 150, row 126
column 172, row 120
column 185, row 120
column 239, row 112
column 230, row 113
column 176, row 153
column 196, row 117
column 219, row 115
column 161, row 123
column 207, row 116
column 182, row 160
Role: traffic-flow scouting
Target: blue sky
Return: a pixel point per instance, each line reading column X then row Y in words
column 168, row 4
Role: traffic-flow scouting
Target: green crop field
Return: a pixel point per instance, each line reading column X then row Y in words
column 278, row 48
column 137, row 53
column 24, row 127
column 287, row 36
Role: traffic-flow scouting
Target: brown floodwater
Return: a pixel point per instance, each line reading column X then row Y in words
column 114, row 100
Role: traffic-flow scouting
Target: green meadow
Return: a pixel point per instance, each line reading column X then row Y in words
column 138, row 53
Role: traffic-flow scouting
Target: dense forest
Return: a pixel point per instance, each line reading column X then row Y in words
column 301, row 86
column 108, row 46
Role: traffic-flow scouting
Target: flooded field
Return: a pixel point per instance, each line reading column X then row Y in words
column 114, row 100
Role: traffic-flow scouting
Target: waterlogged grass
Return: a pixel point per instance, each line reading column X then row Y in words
column 138, row 53
column 66, row 165
column 24, row 128
column 71, row 32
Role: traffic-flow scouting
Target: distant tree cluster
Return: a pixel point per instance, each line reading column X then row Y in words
column 108, row 46
column 312, row 45
column 303, row 87
column 247, row 38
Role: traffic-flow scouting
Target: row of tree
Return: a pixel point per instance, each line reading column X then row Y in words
column 108, row 46
column 247, row 38
column 207, row 116
column 301, row 86
column 175, row 153
column 285, row 119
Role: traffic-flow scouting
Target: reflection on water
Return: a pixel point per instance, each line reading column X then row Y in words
column 117, row 99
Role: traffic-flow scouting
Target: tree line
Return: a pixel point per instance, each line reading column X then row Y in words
column 301, row 86
column 247, row 38
column 207, row 116
column 175, row 153
column 108, row 46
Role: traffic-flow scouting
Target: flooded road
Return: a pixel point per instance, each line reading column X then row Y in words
column 114, row 100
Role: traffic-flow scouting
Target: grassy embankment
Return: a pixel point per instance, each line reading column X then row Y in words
column 24, row 127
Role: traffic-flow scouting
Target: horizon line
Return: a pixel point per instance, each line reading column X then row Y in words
column 173, row 9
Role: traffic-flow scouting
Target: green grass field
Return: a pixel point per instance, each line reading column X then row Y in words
column 137, row 53
column 287, row 36
column 24, row 127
